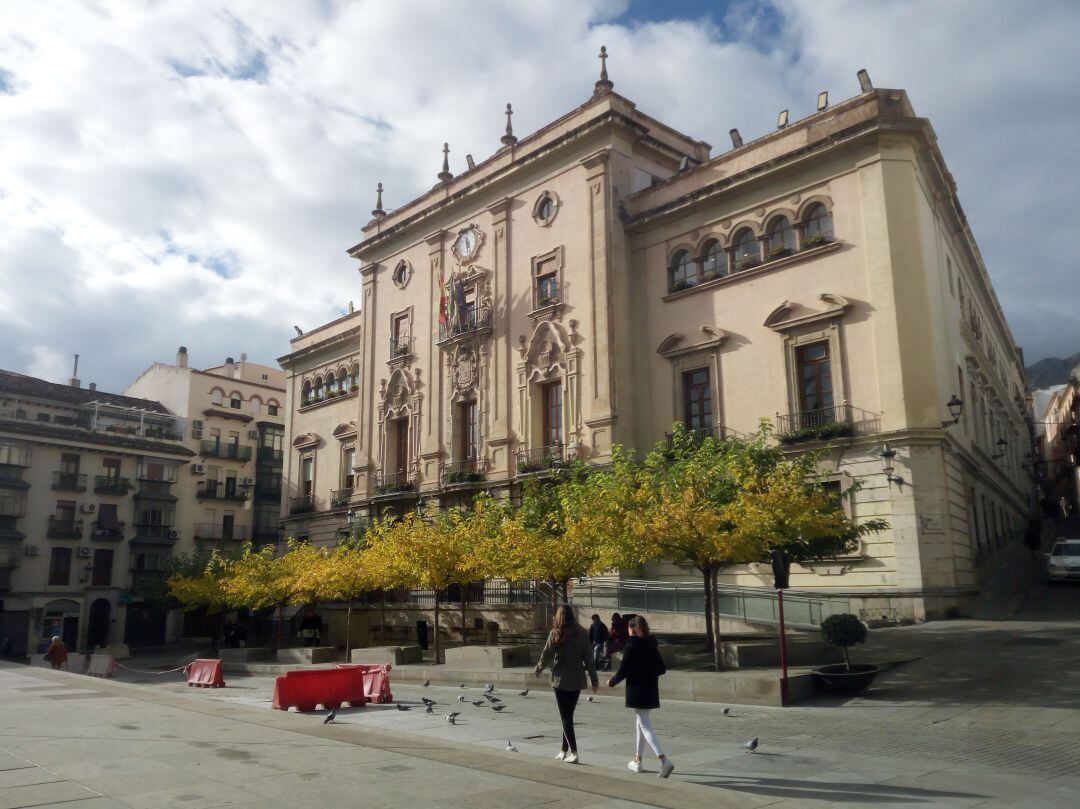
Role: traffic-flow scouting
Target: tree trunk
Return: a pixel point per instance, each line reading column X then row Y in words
column 554, row 597
column 280, row 621
column 566, row 591
column 847, row 660
column 717, row 640
column 707, row 587
column 436, row 642
column 348, row 630
column 464, row 642
column 382, row 619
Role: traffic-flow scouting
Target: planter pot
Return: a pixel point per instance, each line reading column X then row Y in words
column 839, row 680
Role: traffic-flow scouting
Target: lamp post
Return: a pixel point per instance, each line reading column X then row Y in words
column 956, row 409
column 887, row 456
column 781, row 567
column 1001, row 445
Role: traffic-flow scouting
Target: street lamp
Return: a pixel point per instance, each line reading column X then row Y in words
column 887, row 456
column 956, row 407
column 1001, row 445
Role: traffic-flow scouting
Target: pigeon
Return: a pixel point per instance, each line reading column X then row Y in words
column 427, row 683
column 451, row 719
column 726, row 712
column 428, row 702
column 510, row 746
column 493, row 700
column 429, row 709
column 524, row 693
column 592, row 698
column 751, row 745
column 463, row 685
column 478, row 702
column 488, row 688
column 401, row 707
column 461, row 698
column 497, row 708
column 330, row 717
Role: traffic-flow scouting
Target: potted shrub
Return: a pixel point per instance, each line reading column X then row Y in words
column 779, row 252
column 845, row 630
column 815, row 241
column 746, row 262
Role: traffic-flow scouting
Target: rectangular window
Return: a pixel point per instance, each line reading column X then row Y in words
column 271, row 410
column 65, row 511
column 233, row 445
column 467, row 439
column 107, row 515
column 307, row 476
column 551, row 404
column 348, row 460
column 401, row 446
column 230, row 484
column 547, row 283
column 815, row 382
column 69, row 464
column 110, row 468
column 60, row 566
column 235, row 402
column 102, row 570
column 399, row 332
column 697, row 400
column 215, row 436
column 13, row 455
column 228, row 525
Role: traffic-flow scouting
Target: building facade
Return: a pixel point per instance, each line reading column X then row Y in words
column 86, row 507
column 1058, row 442
column 604, row 277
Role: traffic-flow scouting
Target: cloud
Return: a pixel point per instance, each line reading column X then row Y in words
column 192, row 172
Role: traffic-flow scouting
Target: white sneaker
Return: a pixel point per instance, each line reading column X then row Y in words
column 667, row 768
column 560, row 755
column 634, row 766
column 572, row 758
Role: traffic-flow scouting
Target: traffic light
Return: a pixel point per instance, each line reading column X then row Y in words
column 780, row 568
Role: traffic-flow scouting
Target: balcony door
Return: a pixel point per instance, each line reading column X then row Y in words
column 697, row 400
column 400, row 461
column 467, row 438
column 815, row 383
column 551, row 414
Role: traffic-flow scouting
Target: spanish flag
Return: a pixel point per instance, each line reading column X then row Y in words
column 444, row 317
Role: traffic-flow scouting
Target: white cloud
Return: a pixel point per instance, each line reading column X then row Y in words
column 192, row 172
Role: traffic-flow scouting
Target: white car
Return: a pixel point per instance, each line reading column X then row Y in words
column 1063, row 561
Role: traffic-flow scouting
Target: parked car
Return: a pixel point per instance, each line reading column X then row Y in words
column 1063, row 561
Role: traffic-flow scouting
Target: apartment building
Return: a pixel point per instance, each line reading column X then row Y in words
column 235, row 426
column 87, row 505
column 594, row 282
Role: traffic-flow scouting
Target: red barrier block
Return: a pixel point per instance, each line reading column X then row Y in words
column 376, row 680
column 205, row 673
column 331, row 688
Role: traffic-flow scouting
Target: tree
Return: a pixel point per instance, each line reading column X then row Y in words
column 348, row 571
column 197, row 581
column 259, row 579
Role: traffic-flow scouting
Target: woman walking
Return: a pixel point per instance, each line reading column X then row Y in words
column 641, row 668
column 568, row 653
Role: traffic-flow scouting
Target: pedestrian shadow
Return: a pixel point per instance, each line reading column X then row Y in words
column 833, row 791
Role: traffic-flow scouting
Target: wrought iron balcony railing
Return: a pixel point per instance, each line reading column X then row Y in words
column 217, row 449
column 155, row 531
column 221, row 490
column 339, row 498
column 718, row 432
column 69, row 482
column 108, row 484
column 64, row 528
column 542, row 459
column 303, row 504
column 114, row 530
column 223, row 531
column 461, row 472
column 399, row 347
column 469, row 321
column 395, row 483
column 816, row 425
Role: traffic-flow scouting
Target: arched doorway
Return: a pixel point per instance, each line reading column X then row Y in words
column 97, row 625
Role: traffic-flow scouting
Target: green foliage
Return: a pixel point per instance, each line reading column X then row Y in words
column 821, row 432
column 843, row 630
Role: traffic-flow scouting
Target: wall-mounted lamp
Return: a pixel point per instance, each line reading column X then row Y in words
column 956, row 408
column 1001, row 445
column 888, row 455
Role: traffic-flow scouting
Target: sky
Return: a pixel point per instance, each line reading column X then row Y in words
column 188, row 172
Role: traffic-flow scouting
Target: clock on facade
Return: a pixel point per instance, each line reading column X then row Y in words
column 467, row 244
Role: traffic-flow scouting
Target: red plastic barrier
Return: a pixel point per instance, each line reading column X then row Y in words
column 376, row 680
column 205, row 673
column 331, row 688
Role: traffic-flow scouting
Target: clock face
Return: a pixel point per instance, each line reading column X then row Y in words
column 466, row 244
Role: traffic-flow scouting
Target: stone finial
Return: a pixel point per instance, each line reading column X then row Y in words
column 508, row 139
column 445, row 175
column 378, row 213
column 603, row 85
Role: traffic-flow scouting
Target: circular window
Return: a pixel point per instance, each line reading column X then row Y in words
column 545, row 209
column 401, row 275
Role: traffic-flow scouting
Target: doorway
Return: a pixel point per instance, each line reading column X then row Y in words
column 97, row 626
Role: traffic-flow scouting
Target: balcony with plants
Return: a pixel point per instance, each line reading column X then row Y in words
column 825, row 424
column 541, row 460
column 396, row 483
column 108, row 484
column 339, row 498
column 463, row 473
column 304, row 504
column 464, row 324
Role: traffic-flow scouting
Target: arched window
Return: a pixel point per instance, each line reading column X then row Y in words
column 713, row 261
column 305, row 393
column 747, row 250
column 318, row 389
column 817, row 226
column 354, row 377
column 682, row 272
column 781, row 238
column 217, row 396
column 331, row 384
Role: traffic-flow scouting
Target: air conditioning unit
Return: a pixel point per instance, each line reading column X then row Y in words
column 88, row 508
column 198, row 469
column 174, row 535
column 196, row 432
column 253, row 433
column 31, row 550
column 84, row 551
column 248, row 482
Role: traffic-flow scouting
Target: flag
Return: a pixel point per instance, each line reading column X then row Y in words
column 444, row 318
column 451, row 314
column 459, row 302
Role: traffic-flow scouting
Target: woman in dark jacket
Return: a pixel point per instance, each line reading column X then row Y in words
column 568, row 653
column 641, row 668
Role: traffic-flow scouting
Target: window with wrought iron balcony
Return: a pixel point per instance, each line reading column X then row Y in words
column 69, row 482
column 64, row 527
column 226, row 531
column 110, row 484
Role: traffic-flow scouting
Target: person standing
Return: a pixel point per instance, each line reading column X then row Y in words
column 568, row 653
column 641, row 667
column 58, row 653
column 598, row 636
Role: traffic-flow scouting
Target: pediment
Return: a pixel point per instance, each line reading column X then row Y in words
column 345, row 430
column 789, row 315
column 675, row 343
column 306, row 440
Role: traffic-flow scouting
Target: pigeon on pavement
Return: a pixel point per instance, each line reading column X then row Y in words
column 592, row 698
column 401, row 707
column 478, row 702
column 330, row 717
column 451, row 719
column 429, row 709
column 461, row 698
column 491, row 699
column 726, row 712
column 497, row 708
column 427, row 701
column 751, row 745
column 463, row 685
column 427, row 683
column 488, row 688
column 524, row 693
column 510, row 746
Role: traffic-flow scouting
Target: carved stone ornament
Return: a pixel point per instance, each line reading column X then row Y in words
column 464, row 370
column 467, row 244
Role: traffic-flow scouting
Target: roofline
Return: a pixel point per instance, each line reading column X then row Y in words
column 43, row 430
